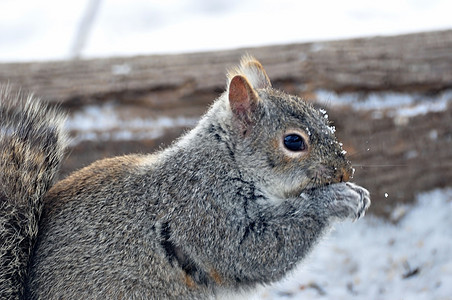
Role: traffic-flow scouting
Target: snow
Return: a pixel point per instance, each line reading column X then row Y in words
column 47, row 29
column 374, row 259
column 105, row 123
column 423, row 108
column 395, row 105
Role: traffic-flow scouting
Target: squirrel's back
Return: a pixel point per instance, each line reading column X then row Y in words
column 32, row 144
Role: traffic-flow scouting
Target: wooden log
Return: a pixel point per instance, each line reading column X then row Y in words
column 415, row 62
column 394, row 157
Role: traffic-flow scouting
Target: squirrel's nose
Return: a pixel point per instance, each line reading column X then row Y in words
column 344, row 174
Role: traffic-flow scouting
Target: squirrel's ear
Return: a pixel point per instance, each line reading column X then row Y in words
column 243, row 99
column 253, row 70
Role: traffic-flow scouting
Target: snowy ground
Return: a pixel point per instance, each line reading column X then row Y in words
column 373, row 259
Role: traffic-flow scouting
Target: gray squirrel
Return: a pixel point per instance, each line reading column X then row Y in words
column 234, row 204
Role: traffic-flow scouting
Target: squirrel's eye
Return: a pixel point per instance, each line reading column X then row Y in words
column 294, row 142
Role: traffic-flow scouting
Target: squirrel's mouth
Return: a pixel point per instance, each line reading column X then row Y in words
column 324, row 177
column 320, row 179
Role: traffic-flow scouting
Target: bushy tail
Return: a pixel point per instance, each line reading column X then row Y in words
column 32, row 143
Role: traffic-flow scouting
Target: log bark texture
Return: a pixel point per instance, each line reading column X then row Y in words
column 393, row 157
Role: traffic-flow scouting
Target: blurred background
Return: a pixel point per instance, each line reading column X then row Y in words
column 135, row 75
column 51, row 29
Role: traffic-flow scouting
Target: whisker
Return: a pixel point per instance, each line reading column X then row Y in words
column 378, row 166
column 350, row 154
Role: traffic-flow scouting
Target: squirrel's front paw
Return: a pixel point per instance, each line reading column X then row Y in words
column 347, row 200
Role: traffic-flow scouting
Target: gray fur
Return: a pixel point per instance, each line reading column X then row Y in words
column 224, row 209
column 31, row 148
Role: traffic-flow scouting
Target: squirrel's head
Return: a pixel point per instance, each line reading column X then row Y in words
column 283, row 142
